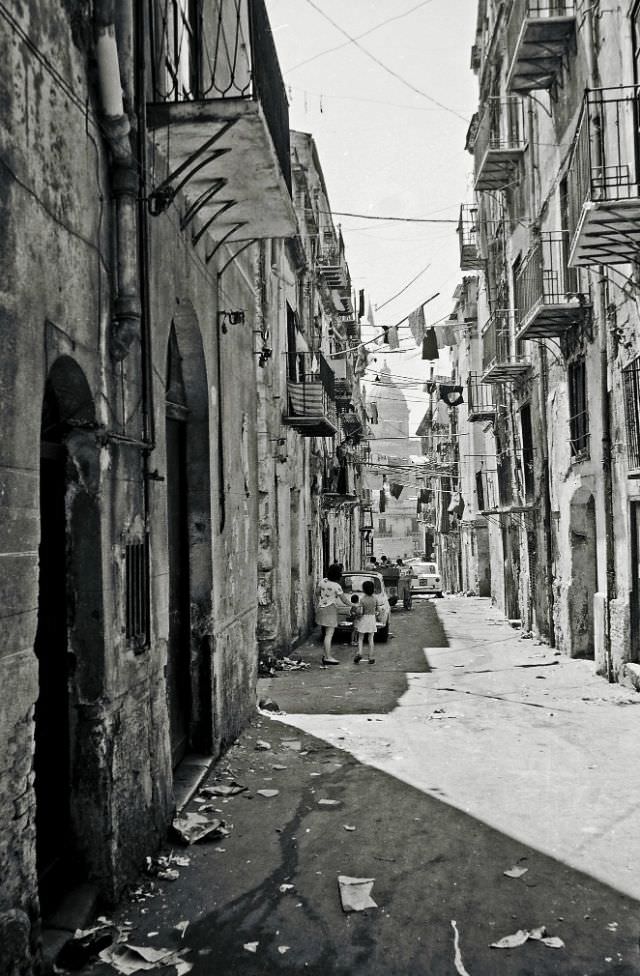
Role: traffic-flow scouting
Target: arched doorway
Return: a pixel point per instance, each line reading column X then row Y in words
column 189, row 672
column 584, row 573
column 67, row 409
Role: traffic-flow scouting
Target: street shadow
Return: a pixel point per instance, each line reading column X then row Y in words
column 432, row 864
column 357, row 689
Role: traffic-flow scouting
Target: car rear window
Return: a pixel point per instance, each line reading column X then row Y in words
column 353, row 583
column 426, row 569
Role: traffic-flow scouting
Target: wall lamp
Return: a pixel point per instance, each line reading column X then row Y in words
column 230, row 318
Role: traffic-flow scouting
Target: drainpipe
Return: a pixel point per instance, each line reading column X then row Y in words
column 607, row 480
column 125, row 327
column 595, row 82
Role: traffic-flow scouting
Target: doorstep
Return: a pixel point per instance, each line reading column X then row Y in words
column 75, row 911
column 187, row 777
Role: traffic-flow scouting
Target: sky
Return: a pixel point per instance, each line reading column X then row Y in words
column 385, row 149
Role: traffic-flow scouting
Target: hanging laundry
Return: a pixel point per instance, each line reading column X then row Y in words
column 416, row 324
column 430, row 345
column 383, row 501
column 392, row 337
column 361, row 303
column 456, row 506
column 431, row 387
column 373, row 413
column 445, row 335
column 395, row 490
column 452, row 395
column 370, row 318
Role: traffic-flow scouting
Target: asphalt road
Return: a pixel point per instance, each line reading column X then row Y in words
column 438, row 763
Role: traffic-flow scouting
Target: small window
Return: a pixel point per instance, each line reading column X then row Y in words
column 136, row 556
column 578, row 409
column 631, row 387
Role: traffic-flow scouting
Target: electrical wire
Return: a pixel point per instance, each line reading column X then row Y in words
column 390, row 71
column 403, row 220
column 402, row 290
column 338, row 47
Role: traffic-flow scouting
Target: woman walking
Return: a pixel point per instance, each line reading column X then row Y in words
column 329, row 594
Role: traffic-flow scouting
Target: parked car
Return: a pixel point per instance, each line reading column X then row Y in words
column 426, row 578
column 352, row 585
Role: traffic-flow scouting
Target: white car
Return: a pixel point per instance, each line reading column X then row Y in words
column 352, row 585
column 425, row 578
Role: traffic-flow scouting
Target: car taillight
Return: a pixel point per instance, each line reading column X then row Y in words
column 437, row 579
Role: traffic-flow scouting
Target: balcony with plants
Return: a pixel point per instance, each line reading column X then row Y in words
column 218, row 115
column 604, row 179
column 547, row 291
column 540, row 35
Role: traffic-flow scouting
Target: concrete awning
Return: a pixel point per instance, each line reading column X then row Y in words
column 220, row 156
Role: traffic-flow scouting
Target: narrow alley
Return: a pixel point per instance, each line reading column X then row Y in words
column 488, row 785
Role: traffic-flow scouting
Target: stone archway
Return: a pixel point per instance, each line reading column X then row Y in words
column 584, row 573
column 189, row 664
column 69, row 640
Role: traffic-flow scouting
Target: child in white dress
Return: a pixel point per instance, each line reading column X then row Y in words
column 366, row 624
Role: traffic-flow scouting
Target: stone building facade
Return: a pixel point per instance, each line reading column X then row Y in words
column 148, row 239
column 552, row 234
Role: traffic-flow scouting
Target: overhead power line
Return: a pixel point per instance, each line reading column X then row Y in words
column 403, row 220
column 402, row 290
column 338, row 47
column 385, row 67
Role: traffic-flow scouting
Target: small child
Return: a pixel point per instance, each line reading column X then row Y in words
column 366, row 624
column 355, row 612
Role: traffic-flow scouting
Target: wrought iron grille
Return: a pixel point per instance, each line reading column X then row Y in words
column 631, row 388
column 136, row 558
column 604, row 163
column 535, row 10
column 579, row 409
column 544, row 276
column 480, row 396
column 501, row 126
column 221, row 49
column 496, row 341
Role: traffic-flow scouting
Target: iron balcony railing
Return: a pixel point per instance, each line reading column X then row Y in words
column 480, row 399
column 469, row 238
column 219, row 50
column 311, row 394
column 500, row 142
column 604, row 170
column 537, row 36
column 502, row 356
column 546, row 288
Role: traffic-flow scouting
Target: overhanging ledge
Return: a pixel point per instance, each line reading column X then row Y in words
column 218, row 153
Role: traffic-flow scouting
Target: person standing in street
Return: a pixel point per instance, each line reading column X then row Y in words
column 366, row 622
column 329, row 595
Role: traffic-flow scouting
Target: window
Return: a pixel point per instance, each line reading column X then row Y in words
column 527, row 452
column 181, row 56
column 631, row 388
column 578, row 409
column 480, row 491
column 136, row 566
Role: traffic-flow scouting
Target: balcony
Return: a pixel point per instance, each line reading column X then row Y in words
column 219, row 119
column 469, row 237
column 603, row 181
column 343, row 387
column 499, row 143
column 502, row 359
column 540, row 33
column 480, row 399
column 311, row 409
column 548, row 301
